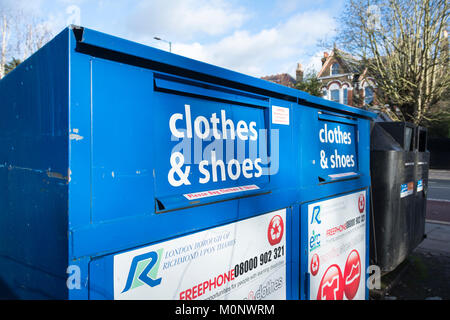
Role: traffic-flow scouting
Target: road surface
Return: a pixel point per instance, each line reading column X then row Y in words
column 438, row 205
column 439, row 189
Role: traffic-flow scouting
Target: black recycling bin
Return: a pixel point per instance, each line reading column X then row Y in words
column 422, row 166
column 397, row 230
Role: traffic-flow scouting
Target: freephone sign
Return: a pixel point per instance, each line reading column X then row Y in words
column 241, row 260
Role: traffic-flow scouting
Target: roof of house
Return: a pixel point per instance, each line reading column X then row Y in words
column 348, row 62
column 282, row 78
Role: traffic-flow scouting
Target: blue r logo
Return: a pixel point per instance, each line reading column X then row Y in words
column 143, row 270
column 315, row 215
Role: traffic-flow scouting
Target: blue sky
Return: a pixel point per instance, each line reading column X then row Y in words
column 250, row 36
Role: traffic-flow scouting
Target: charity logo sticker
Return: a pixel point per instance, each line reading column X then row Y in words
column 143, row 270
column 314, row 264
column 352, row 274
column 315, row 215
column 361, row 203
column 275, row 230
column 332, row 285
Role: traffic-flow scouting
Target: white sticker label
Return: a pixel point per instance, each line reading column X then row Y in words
column 337, row 247
column 241, row 260
column 280, row 115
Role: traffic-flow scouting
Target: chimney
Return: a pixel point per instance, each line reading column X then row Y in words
column 325, row 56
column 299, row 73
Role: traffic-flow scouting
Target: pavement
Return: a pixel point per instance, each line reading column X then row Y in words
column 438, row 211
column 425, row 275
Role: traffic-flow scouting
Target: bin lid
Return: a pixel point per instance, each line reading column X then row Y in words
column 381, row 140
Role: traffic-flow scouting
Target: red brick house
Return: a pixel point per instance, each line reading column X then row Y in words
column 282, row 78
column 345, row 80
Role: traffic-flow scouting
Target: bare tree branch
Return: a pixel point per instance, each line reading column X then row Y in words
column 20, row 36
column 405, row 46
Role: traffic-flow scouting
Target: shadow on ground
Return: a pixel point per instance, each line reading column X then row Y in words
column 427, row 276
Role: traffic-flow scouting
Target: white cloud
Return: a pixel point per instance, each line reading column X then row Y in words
column 287, row 6
column 184, row 19
column 267, row 51
column 220, row 32
column 22, row 7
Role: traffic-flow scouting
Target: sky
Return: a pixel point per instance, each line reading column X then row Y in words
column 255, row 37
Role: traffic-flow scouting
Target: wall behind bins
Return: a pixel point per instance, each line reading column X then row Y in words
column 439, row 153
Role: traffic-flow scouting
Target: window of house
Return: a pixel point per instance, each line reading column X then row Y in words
column 334, row 95
column 368, row 95
column 335, row 69
column 345, row 93
column 324, row 92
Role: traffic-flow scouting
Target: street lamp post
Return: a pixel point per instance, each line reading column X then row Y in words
column 170, row 43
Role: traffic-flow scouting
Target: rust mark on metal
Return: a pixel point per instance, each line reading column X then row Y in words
column 57, row 175
column 50, row 174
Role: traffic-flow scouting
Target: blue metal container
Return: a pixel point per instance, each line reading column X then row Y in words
column 132, row 173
